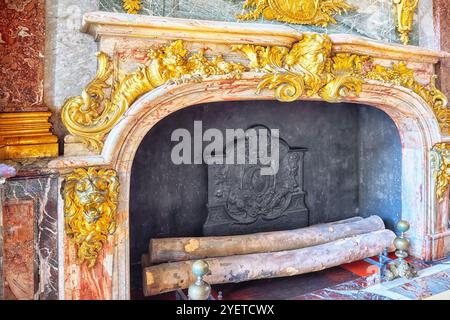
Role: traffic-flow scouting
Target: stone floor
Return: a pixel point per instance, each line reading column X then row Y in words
column 352, row 281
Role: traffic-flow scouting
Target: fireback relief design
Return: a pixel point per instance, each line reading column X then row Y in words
column 310, row 12
column 241, row 200
column 90, row 205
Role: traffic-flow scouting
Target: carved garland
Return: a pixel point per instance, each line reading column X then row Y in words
column 90, row 205
column 307, row 68
column 309, row 12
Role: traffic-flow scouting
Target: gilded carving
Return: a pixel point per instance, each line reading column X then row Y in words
column 399, row 74
column 90, row 205
column 92, row 115
column 306, row 69
column 440, row 161
column 405, row 15
column 132, row 6
column 309, row 12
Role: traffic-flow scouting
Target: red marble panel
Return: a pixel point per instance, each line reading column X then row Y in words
column 22, row 43
column 18, row 242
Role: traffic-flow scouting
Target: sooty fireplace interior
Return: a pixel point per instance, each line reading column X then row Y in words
column 347, row 163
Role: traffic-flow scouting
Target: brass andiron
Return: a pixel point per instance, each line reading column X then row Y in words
column 400, row 267
column 200, row 290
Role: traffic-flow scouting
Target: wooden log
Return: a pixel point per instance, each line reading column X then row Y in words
column 171, row 276
column 181, row 249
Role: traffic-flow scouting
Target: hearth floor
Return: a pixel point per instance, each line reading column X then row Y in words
column 346, row 282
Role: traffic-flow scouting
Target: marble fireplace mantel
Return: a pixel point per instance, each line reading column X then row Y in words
column 127, row 38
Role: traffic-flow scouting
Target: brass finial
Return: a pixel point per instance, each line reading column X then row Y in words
column 199, row 290
column 400, row 267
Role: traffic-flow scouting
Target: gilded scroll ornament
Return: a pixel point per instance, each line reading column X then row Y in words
column 306, row 69
column 92, row 115
column 440, row 161
column 90, row 205
column 405, row 15
column 132, row 6
column 309, row 12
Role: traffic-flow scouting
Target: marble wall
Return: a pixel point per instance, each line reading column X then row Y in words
column 30, row 236
column 22, row 42
column 374, row 19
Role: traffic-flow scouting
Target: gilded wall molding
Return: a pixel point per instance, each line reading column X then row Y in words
column 93, row 114
column 132, row 6
column 440, row 163
column 309, row 12
column 90, row 204
column 27, row 135
column 405, row 16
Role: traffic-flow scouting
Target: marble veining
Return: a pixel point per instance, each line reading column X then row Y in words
column 374, row 19
column 41, row 192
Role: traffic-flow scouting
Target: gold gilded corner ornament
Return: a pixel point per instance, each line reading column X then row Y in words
column 309, row 12
column 405, row 15
column 399, row 74
column 132, row 6
column 440, row 163
column 93, row 114
column 307, row 68
column 90, row 205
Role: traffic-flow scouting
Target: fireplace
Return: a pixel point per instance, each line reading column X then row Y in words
column 349, row 164
column 371, row 144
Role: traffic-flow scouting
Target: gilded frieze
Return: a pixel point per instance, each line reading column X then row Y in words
column 93, row 114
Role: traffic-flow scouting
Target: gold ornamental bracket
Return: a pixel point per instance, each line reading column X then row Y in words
column 405, row 16
column 93, row 114
column 90, row 206
column 308, row 12
column 440, row 164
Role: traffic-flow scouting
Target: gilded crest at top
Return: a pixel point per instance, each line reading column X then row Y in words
column 311, row 12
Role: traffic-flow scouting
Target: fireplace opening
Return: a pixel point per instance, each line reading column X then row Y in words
column 350, row 165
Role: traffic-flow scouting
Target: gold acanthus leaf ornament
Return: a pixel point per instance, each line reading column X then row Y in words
column 93, row 114
column 132, row 6
column 399, row 74
column 307, row 68
column 405, row 15
column 440, row 162
column 90, row 205
column 308, row 12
